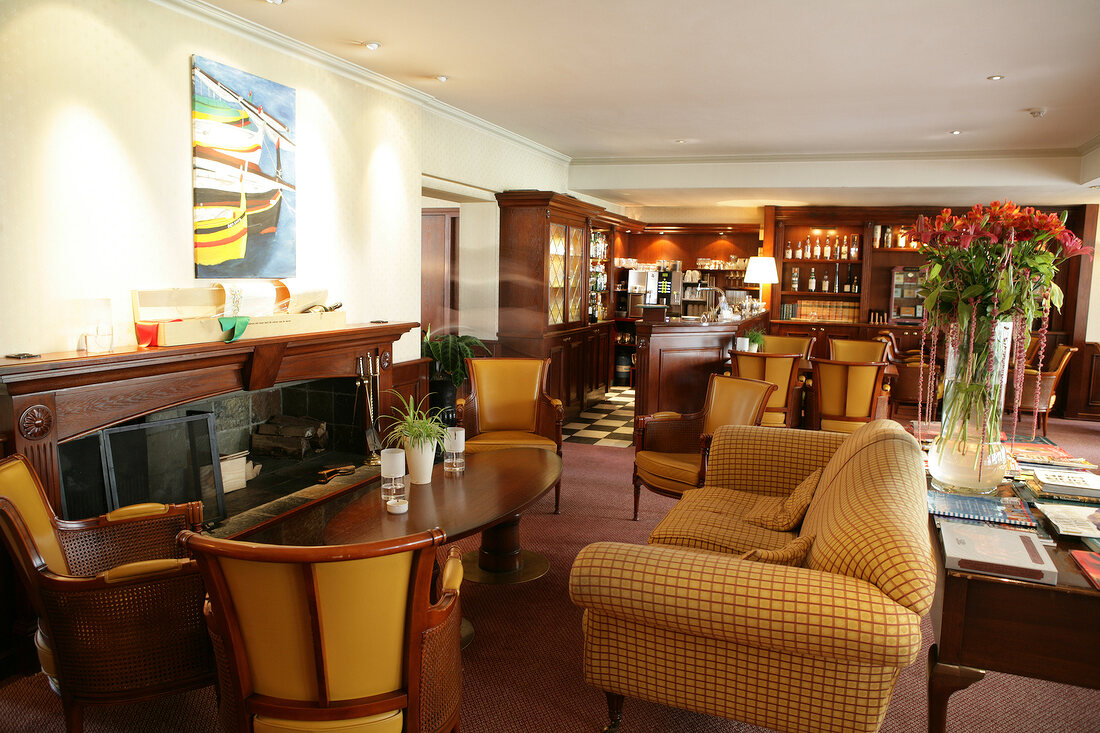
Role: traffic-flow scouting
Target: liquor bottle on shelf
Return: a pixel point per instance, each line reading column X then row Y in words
column 828, row 251
column 817, row 248
column 825, row 282
column 848, row 281
column 855, row 284
column 787, row 252
column 876, row 236
column 854, row 254
column 836, row 280
column 798, row 252
column 812, row 285
column 794, row 279
column 887, row 238
column 844, row 248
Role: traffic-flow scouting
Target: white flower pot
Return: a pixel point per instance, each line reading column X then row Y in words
column 742, row 343
column 421, row 458
column 754, row 347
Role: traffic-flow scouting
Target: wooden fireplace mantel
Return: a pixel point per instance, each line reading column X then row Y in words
column 59, row 397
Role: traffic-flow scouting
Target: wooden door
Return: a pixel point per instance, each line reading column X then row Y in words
column 439, row 269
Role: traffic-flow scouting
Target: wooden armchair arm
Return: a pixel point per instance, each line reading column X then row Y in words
column 549, row 415
column 440, row 661
column 466, row 415
column 130, row 534
column 668, row 434
column 151, row 612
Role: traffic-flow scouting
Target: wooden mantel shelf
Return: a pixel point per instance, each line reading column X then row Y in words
column 59, row 397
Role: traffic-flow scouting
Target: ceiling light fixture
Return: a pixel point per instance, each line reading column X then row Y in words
column 442, row 77
column 275, row 2
column 1037, row 112
column 370, row 45
column 995, row 77
column 681, row 142
column 956, row 132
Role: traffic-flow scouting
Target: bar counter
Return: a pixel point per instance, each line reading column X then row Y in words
column 676, row 358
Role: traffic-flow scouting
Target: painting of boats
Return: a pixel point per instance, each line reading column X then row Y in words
column 243, row 175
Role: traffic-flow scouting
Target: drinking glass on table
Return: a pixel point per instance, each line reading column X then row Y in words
column 454, row 447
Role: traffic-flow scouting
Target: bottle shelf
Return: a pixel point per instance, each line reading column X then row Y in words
column 819, row 294
column 796, row 261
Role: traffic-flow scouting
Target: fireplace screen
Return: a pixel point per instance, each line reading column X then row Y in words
column 167, row 461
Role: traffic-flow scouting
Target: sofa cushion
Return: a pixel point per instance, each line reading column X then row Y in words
column 793, row 553
column 783, row 515
column 679, row 467
column 710, row 518
column 869, row 515
column 499, row 439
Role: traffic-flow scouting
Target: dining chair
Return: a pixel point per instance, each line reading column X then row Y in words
column 509, row 407
column 846, row 393
column 333, row 638
column 790, row 344
column 784, row 407
column 905, row 389
column 857, row 349
column 119, row 604
column 670, row 449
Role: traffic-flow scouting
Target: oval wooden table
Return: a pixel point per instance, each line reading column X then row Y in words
column 487, row 497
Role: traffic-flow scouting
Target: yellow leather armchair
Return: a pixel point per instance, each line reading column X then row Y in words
column 1047, row 386
column 784, row 407
column 119, row 604
column 670, row 449
column 847, row 393
column 508, row 407
column 333, row 638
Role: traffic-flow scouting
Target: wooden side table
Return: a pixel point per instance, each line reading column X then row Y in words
column 984, row 623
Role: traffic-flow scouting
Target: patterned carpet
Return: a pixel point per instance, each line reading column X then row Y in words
column 609, row 423
column 522, row 674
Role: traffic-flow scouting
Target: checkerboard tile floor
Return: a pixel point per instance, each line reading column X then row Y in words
column 611, row 422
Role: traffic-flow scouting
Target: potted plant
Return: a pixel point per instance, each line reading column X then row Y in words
column 448, row 352
column 420, row 432
column 756, row 339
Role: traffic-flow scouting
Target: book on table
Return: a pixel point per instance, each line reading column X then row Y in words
column 1037, row 531
column 1049, row 456
column 1071, row 483
column 1089, row 562
column 993, row 551
column 1032, row 492
column 1002, row 509
column 1076, row 520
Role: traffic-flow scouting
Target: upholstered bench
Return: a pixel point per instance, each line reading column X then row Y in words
column 742, row 607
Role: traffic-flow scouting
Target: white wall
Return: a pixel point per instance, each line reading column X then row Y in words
column 95, row 149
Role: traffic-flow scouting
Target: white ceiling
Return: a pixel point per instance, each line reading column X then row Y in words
column 607, row 82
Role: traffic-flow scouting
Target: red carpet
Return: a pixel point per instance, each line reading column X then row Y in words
column 523, row 670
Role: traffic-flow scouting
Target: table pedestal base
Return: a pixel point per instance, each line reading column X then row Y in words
column 500, row 559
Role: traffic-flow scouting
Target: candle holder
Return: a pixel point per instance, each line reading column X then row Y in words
column 393, row 476
column 454, row 447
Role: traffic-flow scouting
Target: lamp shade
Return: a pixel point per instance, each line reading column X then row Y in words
column 761, row 270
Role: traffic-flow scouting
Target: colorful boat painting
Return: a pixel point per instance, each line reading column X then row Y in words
column 244, row 193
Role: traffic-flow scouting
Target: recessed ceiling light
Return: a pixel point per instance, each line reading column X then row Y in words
column 681, row 142
column 995, row 77
column 275, row 2
column 442, row 77
column 956, row 132
column 370, row 45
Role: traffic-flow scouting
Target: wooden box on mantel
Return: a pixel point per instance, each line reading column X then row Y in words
column 208, row 330
column 181, row 316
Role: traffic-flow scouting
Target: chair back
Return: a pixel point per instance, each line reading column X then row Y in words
column 734, row 401
column 857, row 350
column 846, row 392
column 318, row 633
column 19, row 484
column 779, row 369
column 1059, row 360
column 789, row 345
column 507, row 391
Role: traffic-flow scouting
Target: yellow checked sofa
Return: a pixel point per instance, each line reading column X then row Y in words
column 708, row 618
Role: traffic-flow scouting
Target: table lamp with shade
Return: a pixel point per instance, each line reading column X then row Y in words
column 760, row 271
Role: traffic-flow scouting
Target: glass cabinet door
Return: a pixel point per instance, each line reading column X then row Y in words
column 576, row 287
column 555, row 275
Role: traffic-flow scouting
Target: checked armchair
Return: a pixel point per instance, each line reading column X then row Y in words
column 119, row 604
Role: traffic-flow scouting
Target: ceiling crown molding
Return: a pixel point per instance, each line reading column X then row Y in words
column 253, row 31
column 831, row 157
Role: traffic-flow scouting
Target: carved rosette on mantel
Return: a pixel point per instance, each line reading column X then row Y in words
column 36, row 422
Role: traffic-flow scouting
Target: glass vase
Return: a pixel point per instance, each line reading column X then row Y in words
column 968, row 456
